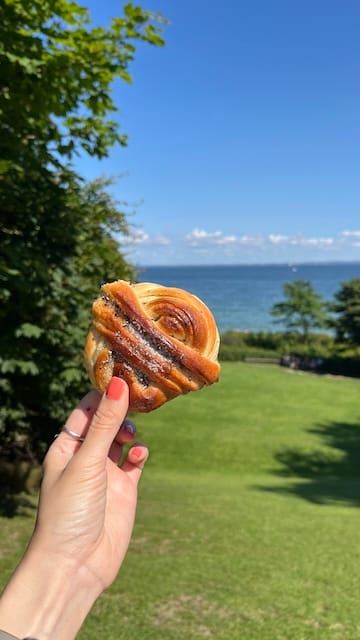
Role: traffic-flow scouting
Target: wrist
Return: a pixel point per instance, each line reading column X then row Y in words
column 47, row 598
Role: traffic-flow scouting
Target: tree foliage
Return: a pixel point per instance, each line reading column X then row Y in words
column 57, row 72
column 51, row 269
column 56, row 232
column 302, row 310
column 346, row 310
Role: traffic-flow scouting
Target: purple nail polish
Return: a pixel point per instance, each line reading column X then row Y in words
column 128, row 426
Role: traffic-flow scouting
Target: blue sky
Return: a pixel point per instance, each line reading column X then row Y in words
column 244, row 133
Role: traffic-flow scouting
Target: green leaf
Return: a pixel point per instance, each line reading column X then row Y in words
column 24, row 367
column 28, row 330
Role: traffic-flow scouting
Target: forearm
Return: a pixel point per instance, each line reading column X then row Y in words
column 46, row 599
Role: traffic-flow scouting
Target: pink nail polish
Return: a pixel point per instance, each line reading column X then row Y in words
column 115, row 388
column 137, row 452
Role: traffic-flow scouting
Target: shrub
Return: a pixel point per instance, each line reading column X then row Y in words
column 337, row 358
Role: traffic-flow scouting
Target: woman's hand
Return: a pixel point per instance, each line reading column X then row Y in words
column 84, row 524
column 87, row 503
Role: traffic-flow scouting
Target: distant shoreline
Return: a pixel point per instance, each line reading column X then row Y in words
column 252, row 264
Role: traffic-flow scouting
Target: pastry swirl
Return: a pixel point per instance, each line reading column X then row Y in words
column 162, row 340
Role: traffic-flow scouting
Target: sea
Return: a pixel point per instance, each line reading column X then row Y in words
column 241, row 296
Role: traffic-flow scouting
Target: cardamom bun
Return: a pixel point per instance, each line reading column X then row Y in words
column 162, row 341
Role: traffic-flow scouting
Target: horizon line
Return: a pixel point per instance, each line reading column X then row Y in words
column 253, row 264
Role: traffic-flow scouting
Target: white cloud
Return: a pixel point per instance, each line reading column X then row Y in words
column 350, row 234
column 138, row 237
column 199, row 237
column 201, row 233
column 202, row 246
column 351, row 237
column 250, row 241
column 225, row 240
column 301, row 241
column 313, row 242
column 278, row 239
column 141, row 237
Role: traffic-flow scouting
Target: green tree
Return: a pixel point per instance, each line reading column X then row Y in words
column 302, row 310
column 57, row 233
column 57, row 72
column 48, row 285
column 346, row 308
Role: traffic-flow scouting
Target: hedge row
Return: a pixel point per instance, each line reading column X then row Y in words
column 319, row 352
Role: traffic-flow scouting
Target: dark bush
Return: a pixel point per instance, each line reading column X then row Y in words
column 340, row 366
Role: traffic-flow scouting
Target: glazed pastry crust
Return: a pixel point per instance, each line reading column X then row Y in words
column 162, row 340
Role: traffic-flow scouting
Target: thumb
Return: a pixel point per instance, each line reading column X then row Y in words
column 106, row 421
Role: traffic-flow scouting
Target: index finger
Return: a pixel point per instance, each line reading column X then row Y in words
column 65, row 446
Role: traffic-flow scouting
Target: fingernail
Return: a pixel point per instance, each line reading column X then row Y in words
column 128, row 426
column 115, row 388
column 137, row 450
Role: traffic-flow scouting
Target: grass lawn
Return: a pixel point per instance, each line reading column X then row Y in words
column 248, row 524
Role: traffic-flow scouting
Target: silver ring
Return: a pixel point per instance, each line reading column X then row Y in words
column 73, row 434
